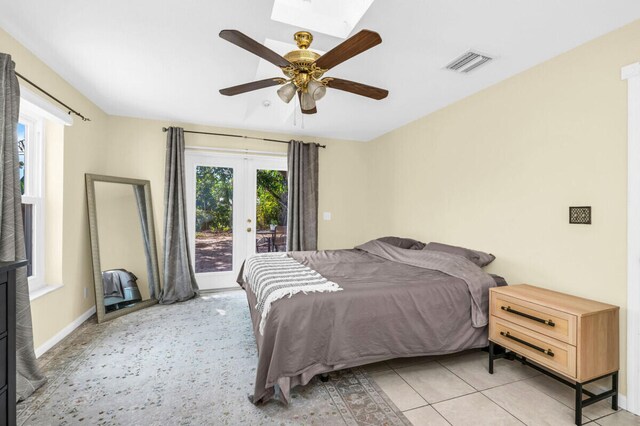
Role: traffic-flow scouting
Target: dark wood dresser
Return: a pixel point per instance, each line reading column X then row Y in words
column 8, row 341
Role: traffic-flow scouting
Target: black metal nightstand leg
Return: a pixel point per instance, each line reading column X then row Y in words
column 614, row 387
column 491, row 354
column 578, row 404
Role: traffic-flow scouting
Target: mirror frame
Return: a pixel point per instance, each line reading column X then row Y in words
column 91, row 179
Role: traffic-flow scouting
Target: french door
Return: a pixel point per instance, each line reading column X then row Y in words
column 236, row 206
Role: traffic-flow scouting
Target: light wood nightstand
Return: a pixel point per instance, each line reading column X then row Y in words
column 571, row 339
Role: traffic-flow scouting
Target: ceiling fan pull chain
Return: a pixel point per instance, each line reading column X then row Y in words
column 295, row 109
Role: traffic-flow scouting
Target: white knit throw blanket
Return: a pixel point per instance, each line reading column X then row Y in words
column 273, row 276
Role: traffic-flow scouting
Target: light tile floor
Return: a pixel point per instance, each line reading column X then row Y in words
column 458, row 390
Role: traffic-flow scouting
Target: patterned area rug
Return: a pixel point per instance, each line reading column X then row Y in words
column 190, row 363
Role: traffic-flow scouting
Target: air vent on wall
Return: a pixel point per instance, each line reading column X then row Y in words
column 468, row 62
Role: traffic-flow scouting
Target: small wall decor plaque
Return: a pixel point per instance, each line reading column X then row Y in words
column 580, row 215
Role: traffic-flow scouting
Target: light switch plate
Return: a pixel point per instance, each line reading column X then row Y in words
column 326, row 215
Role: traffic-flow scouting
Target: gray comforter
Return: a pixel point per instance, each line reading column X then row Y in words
column 478, row 282
column 393, row 305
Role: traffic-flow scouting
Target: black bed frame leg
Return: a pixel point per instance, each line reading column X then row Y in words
column 578, row 404
column 491, row 355
column 324, row 377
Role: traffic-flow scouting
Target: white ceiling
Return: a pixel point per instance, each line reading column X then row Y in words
column 164, row 60
column 336, row 18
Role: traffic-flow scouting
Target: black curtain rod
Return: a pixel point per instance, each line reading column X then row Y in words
column 70, row 110
column 164, row 129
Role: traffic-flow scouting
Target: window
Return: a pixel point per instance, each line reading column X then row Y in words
column 30, row 155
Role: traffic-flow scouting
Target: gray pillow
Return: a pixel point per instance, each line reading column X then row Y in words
column 403, row 243
column 500, row 281
column 480, row 258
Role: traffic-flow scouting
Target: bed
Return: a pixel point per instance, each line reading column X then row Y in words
column 392, row 302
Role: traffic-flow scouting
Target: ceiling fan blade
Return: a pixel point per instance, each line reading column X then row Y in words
column 306, row 111
column 357, row 88
column 248, row 87
column 247, row 43
column 349, row 48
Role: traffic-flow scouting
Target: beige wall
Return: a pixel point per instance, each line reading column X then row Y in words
column 498, row 171
column 81, row 151
column 54, row 201
column 137, row 150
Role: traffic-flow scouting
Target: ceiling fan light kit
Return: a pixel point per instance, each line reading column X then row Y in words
column 287, row 92
column 307, row 103
column 304, row 69
column 316, row 89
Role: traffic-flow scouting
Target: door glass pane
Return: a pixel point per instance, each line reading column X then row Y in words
column 271, row 211
column 214, row 219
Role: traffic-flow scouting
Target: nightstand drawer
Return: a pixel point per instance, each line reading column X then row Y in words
column 547, row 321
column 542, row 349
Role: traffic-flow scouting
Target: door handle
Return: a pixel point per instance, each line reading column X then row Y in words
column 248, row 229
column 248, row 220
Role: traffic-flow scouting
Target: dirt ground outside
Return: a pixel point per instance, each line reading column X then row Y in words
column 214, row 251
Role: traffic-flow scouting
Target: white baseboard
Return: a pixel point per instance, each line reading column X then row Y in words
column 622, row 401
column 40, row 350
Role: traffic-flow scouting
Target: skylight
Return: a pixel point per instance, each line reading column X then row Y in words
column 337, row 18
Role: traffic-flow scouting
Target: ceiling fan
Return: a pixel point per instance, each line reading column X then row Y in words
column 304, row 69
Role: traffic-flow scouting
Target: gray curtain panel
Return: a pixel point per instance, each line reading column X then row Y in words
column 178, row 277
column 302, row 219
column 29, row 377
column 138, row 190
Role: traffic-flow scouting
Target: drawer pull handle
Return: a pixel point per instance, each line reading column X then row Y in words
column 531, row 345
column 550, row 323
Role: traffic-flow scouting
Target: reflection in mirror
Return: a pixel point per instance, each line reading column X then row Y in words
column 123, row 244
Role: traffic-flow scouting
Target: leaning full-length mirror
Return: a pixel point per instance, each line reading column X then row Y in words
column 123, row 245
